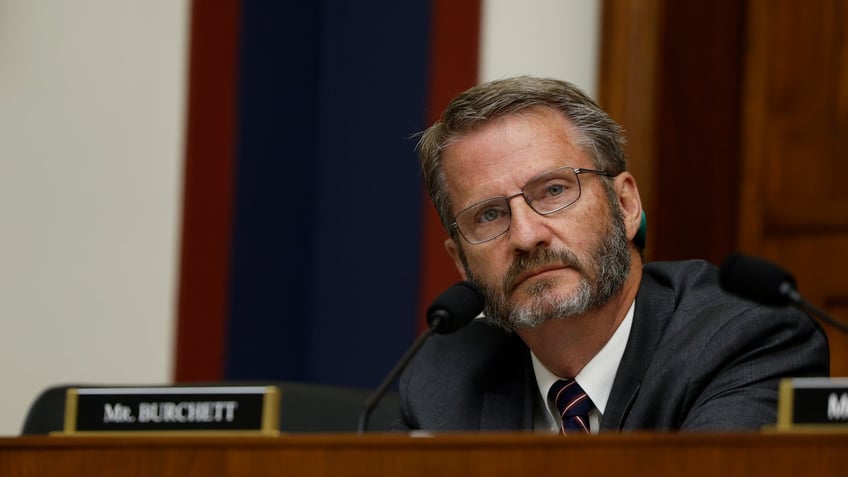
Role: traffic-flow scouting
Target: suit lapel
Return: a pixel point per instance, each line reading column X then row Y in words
column 654, row 307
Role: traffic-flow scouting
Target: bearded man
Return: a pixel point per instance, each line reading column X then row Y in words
column 529, row 178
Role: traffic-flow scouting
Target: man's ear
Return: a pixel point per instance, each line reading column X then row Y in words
column 455, row 254
column 629, row 202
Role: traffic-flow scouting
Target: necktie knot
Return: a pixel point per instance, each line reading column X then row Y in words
column 573, row 404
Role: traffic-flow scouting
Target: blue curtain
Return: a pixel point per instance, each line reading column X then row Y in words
column 325, row 260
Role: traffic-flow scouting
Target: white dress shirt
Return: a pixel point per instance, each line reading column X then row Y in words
column 595, row 378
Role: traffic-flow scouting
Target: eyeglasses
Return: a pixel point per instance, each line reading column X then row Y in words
column 547, row 193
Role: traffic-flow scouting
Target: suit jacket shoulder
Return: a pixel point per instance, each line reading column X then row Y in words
column 474, row 379
column 700, row 358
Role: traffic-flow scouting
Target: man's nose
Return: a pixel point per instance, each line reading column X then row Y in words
column 528, row 229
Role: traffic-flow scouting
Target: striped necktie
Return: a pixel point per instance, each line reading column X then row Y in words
column 573, row 404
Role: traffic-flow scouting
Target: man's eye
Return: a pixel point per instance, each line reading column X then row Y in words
column 490, row 215
column 554, row 190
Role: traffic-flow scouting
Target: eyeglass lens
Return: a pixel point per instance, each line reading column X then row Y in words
column 546, row 194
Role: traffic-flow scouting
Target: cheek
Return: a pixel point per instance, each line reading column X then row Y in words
column 487, row 265
column 588, row 225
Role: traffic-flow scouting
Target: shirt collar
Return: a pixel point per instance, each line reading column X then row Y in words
column 597, row 376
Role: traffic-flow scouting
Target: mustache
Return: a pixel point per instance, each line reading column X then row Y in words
column 537, row 259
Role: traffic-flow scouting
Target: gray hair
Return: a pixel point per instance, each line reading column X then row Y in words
column 597, row 134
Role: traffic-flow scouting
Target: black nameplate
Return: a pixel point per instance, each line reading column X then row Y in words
column 813, row 404
column 231, row 409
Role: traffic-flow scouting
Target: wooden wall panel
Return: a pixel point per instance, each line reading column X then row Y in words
column 670, row 74
column 628, row 68
column 795, row 204
column 804, row 60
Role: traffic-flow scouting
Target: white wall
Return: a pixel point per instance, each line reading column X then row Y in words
column 556, row 38
column 91, row 137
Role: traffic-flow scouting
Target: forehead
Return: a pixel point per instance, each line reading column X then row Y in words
column 499, row 157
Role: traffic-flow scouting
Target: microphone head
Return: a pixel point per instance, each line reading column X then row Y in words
column 455, row 307
column 757, row 280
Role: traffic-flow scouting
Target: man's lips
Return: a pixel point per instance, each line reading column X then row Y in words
column 521, row 278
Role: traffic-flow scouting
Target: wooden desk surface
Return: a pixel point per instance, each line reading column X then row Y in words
column 489, row 454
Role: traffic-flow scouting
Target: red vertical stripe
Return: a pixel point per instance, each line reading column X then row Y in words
column 208, row 191
column 454, row 46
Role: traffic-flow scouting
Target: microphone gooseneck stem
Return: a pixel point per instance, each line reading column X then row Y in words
column 813, row 310
column 384, row 386
column 451, row 310
column 800, row 303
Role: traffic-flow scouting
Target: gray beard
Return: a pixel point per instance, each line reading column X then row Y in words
column 600, row 280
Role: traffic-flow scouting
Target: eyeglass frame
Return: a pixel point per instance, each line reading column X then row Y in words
column 577, row 171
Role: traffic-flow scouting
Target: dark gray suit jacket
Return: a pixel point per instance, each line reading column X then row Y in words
column 697, row 359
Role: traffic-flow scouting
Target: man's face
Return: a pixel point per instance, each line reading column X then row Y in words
column 544, row 267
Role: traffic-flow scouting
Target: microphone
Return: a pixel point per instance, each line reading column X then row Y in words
column 766, row 283
column 450, row 311
column 455, row 308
